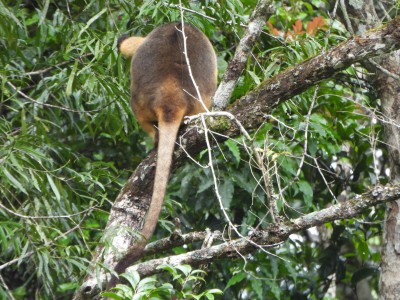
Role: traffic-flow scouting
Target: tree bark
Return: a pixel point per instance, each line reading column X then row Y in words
column 389, row 93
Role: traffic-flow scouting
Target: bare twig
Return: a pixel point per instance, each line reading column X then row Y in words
column 387, row 16
column 44, row 217
column 40, row 103
column 185, row 52
column 61, row 64
column 52, row 105
column 181, row 8
column 383, row 70
column 346, row 17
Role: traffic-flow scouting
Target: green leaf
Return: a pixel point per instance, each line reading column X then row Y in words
column 172, row 270
column 226, row 191
column 146, row 284
column 307, row 191
column 257, row 288
column 43, row 13
column 363, row 249
column 235, row 279
column 53, row 187
column 91, row 20
column 256, row 79
column 215, row 291
column 185, row 269
column 233, row 148
column 112, row 295
column 71, row 78
column 132, row 277
column 14, row 181
column 276, row 290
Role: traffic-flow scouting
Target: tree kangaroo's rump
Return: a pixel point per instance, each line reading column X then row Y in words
column 162, row 93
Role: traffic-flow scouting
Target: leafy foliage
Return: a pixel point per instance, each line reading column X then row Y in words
column 184, row 280
column 69, row 142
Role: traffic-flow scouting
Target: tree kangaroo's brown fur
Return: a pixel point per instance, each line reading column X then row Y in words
column 162, row 94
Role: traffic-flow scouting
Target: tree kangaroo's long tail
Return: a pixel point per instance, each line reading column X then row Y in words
column 167, row 133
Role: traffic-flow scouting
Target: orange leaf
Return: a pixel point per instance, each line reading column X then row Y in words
column 315, row 24
column 298, row 27
column 273, row 30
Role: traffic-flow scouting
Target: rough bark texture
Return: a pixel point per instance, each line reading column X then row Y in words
column 389, row 93
column 132, row 203
column 363, row 17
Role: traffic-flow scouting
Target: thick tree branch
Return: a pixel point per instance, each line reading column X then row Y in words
column 236, row 65
column 132, row 203
column 275, row 234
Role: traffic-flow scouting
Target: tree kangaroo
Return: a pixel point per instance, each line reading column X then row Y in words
column 162, row 93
